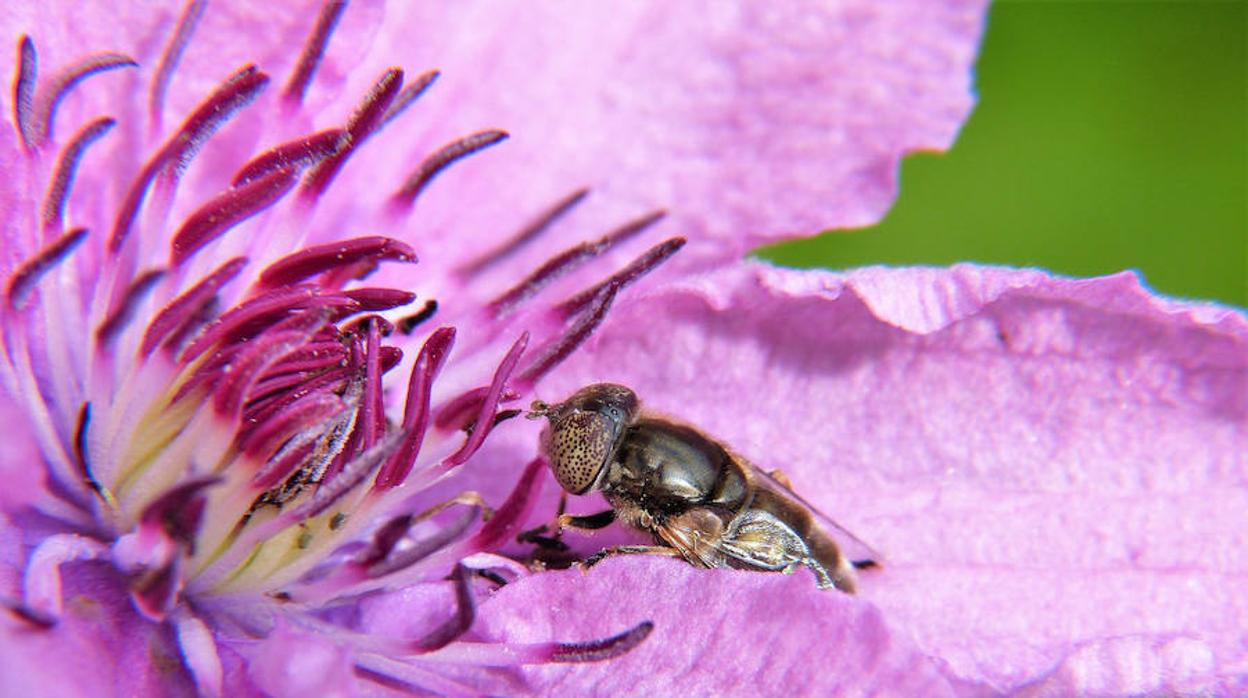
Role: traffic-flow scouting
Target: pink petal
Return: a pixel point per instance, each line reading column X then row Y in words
column 715, row 633
column 1054, row 469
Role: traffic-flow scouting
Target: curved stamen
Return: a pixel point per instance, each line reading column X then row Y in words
column 220, row 106
column 408, row 95
column 67, row 80
column 24, row 90
column 314, row 260
column 457, row 625
column 374, row 299
column 528, row 233
column 425, row 369
column 29, row 272
column 361, row 124
column 318, row 408
column 185, row 307
column 67, row 165
column 599, row 650
column 567, row 261
column 489, row 405
column 408, row 324
column 443, row 158
column 252, row 315
column 171, row 57
column 124, row 311
column 297, row 155
column 229, row 208
column 636, row 269
column 313, row 51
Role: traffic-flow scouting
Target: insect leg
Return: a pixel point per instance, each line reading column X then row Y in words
column 628, row 550
column 592, row 522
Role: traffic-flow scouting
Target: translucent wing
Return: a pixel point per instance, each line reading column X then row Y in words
column 852, row 547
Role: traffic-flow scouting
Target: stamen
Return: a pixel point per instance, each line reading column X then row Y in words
column 425, row 369
column 300, row 415
column 220, row 106
column 24, row 90
column 171, row 57
column 226, row 210
column 599, row 650
column 458, row 412
column 374, row 299
column 408, row 95
column 240, row 374
column 567, row 261
column 124, row 312
column 356, row 472
column 561, row 348
column 67, row 166
column 372, row 412
column 454, row 627
column 294, row 155
column 314, row 260
column 80, row 449
column 313, row 51
column 254, row 314
column 528, row 233
column 184, row 308
column 67, row 80
column 28, row 274
column 361, row 124
column 489, row 405
column 444, row 157
column 638, row 268
column 408, row 324
column 179, row 511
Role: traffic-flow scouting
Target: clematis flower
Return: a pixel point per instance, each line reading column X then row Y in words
column 206, row 293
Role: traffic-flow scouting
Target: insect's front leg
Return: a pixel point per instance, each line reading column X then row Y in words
column 627, row 550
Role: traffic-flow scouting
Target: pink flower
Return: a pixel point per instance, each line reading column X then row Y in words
column 228, row 491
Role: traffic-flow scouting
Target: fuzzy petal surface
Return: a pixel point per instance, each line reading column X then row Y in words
column 1053, row 469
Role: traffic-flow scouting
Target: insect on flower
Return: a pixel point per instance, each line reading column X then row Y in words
column 700, row 500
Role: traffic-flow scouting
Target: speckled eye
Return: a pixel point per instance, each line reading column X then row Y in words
column 578, row 446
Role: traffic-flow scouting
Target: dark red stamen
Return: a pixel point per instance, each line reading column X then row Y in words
column 235, row 380
column 565, row 344
column 171, row 57
column 485, row 414
column 293, row 155
column 636, row 269
column 314, row 410
column 229, row 208
column 313, row 51
column 425, row 369
column 372, row 413
column 408, row 324
column 454, row 627
column 444, row 157
column 360, row 326
column 255, row 312
column 178, row 511
column 314, row 260
column 231, row 96
column 314, row 356
column 67, row 80
column 408, row 95
column 66, row 166
column 361, row 124
column 528, row 233
column 185, row 307
column 27, row 275
column 261, row 408
column 154, row 592
column 510, row 517
column 384, row 540
column 460, row 412
column 567, row 261
column 374, row 299
column 24, row 90
column 124, row 311
column 275, row 471
column 599, row 650
column 418, row 549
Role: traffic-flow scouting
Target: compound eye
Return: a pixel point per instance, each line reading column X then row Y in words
column 578, row 446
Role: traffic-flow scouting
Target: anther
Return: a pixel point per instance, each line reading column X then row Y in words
column 28, row 274
column 229, row 208
column 171, row 57
column 65, row 81
column 442, row 158
column 313, row 51
column 528, row 233
column 66, row 166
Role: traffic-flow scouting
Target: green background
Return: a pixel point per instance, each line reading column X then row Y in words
column 1107, row 136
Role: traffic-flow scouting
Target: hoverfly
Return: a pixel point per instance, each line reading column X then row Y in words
column 698, row 499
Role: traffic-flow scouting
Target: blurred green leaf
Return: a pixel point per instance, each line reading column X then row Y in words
column 1108, row 136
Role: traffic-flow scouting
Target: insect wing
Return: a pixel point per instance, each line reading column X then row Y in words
column 852, row 547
